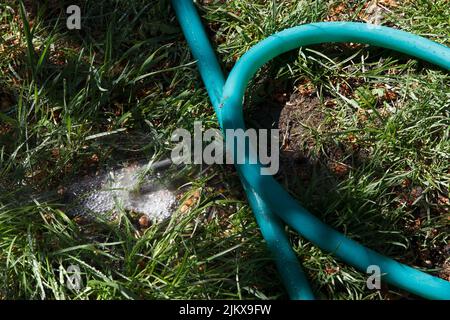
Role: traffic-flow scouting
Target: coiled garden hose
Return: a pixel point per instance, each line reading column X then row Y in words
column 271, row 204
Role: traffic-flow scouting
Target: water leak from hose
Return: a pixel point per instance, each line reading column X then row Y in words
column 132, row 188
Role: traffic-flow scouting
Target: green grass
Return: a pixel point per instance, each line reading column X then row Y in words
column 71, row 101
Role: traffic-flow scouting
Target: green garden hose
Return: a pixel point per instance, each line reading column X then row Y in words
column 269, row 201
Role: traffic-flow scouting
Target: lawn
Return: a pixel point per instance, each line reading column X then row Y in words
column 365, row 135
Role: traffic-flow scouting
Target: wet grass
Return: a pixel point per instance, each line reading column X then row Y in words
column 75, row 101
